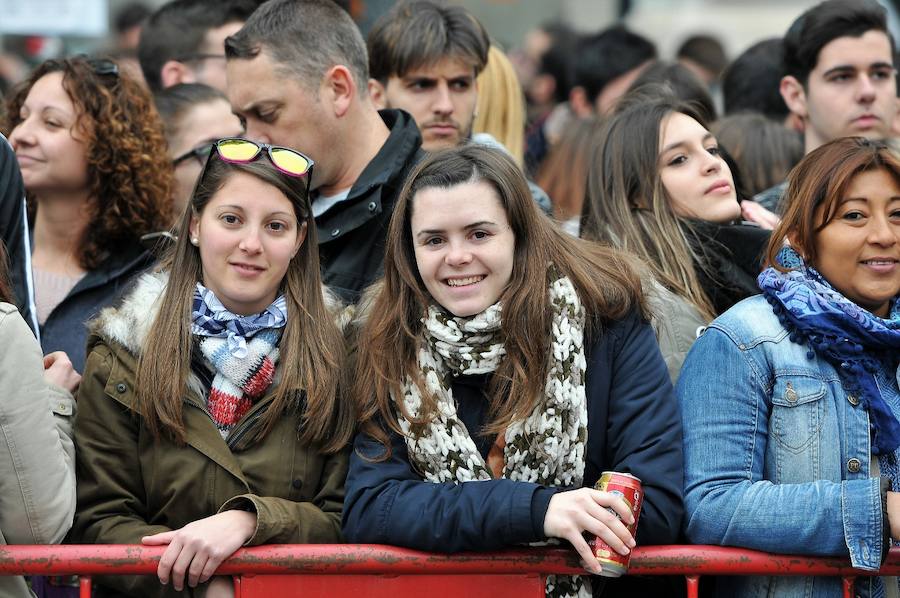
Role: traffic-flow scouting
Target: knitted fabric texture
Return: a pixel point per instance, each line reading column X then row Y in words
column 853, row 340
column 211, row 318
column 243, row 352
column 546, row 448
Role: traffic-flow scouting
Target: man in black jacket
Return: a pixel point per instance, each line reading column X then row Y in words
column 297, row 77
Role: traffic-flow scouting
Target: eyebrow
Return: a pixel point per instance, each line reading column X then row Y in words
column 850, row 67
column 434, row 231
column 672, row 146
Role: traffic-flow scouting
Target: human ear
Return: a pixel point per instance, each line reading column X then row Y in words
column 174, row 72
column 194, row 229
column 378, row 94
column 301, row 237
column 794, row 95
column 340, row 89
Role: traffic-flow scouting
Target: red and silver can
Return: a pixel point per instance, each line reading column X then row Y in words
column 629, row 489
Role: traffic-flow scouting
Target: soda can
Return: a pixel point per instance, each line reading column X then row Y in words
column 628, row 488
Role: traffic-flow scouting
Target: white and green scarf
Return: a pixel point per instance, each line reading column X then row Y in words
column 546, row 448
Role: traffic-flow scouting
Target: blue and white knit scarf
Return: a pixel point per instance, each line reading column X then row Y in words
column 857, row 343
column 243, row 350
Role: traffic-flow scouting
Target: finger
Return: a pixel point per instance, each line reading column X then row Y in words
column 584, row 551
column 209, row 569
column 181, row 566
column 617, row 503
column 167, row 560
column 159, row 539
column 613, row 533
column 197, row 568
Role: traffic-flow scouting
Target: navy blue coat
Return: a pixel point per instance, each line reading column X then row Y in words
column 633, row 426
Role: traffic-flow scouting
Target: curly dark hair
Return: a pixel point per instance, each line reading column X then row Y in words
column 129, row 175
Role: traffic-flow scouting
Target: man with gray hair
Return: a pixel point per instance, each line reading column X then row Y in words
column 297, row 76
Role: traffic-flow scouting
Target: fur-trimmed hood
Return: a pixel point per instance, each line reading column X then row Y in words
column 129, row 323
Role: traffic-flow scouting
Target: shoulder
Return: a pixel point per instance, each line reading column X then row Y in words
column 14, row 332
column 749, row 322
column 128, row 323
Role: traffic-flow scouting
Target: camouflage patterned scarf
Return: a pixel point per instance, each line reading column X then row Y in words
column 546, row 448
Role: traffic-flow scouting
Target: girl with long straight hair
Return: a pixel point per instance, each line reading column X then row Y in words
column 210, row 415
column 500, row 350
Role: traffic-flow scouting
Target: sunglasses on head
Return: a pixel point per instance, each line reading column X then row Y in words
column 284, row 159
column 243, row 151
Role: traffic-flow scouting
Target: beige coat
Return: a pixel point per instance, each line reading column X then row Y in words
column 37, row 457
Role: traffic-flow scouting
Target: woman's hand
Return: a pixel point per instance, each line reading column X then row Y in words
column 585, row 510
column 754, row 212
column 58, row 370
column 195, row 551
column 220, row 587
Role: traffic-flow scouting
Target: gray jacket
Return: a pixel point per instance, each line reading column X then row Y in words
column 37, row 456
column 677, row 324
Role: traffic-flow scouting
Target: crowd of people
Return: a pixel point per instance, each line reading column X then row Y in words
column 302, row 286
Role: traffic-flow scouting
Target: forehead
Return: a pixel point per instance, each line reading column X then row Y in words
column 870, row 48
column 448, row 208
column 214, row 39
column 447, row 67
column 260, row 79
column 250, row 193
column 678, row 127
column 207, row 121
column 49, row 91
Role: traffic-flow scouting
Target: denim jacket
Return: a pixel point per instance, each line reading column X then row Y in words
column 778, row 455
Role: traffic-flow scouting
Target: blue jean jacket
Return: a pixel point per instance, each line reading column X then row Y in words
column 777, row 454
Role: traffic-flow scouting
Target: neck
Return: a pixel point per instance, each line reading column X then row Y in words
column 59, row 227
column 369, row 135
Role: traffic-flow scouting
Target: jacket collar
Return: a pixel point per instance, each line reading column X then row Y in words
column 401, row 145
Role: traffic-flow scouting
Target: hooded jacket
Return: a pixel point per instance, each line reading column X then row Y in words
column 132, row 485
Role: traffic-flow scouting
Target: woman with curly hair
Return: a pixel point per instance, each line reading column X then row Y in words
column 92, row 155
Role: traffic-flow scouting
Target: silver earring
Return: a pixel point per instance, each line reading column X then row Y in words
column 195, row 240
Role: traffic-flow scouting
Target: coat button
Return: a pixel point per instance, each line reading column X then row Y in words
column 853, row 465
column 853, row 400
column 335, row 232
column 790, row 394
column 297, row 484
column 120, row 387
column 372, row 206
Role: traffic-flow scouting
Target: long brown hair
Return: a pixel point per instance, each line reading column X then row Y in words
column 627, row 205
column 311, row 347
column 129, row 175
column 821, row 179
column 606, row 280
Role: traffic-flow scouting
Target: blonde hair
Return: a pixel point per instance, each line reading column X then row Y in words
column 500, row 111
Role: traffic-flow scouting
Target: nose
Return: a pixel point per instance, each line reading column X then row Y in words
column 883, row 232
column 443, row 103
column 256, row 133
column 866, row 91
column 250, row 242
column 458, row 254
column 21, row 135
column 712, row 163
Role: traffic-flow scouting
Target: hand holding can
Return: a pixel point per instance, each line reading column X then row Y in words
column 629, row 489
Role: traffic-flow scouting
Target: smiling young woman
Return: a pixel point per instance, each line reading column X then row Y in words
column 805, row 421
column 489, row 321
column 210, row 416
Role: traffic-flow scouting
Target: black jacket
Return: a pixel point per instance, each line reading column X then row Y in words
column 633, row 426
column 66, row 326
column 352, row 233
column 12, row 226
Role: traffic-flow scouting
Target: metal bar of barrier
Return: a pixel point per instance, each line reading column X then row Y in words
column 349, row 563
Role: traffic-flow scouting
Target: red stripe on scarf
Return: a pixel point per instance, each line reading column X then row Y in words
column 226, row 409
column 261, row 380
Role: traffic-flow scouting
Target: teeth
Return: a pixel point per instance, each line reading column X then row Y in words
column 879, row 262
column 460, row 282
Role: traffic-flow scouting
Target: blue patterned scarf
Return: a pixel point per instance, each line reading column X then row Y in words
column 211, row 318
column 857, row 343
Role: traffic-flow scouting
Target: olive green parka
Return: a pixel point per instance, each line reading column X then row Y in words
column 131, row 485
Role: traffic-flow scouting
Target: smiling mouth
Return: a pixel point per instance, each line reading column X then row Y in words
column 248, row 267
column 463, row 282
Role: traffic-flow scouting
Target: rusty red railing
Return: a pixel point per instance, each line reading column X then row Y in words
column 353, row 570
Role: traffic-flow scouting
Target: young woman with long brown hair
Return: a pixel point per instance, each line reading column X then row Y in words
column 210, row 416
column 501, row 350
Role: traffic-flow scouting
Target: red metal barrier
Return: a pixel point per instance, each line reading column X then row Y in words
column 387, row 572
